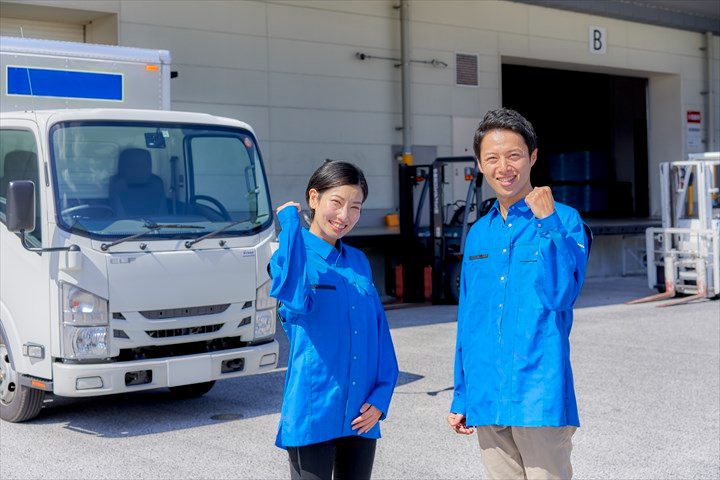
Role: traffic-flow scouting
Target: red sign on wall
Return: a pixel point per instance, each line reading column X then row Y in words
column 693, row 116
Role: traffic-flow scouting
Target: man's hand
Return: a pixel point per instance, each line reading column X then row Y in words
column 541, row 202
column 287, row 204
column 457, row 423
column 369, row 416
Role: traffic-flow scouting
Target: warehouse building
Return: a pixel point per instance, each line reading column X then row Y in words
column 613, row 88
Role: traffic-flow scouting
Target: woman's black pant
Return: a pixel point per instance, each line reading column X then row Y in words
column 349, row 458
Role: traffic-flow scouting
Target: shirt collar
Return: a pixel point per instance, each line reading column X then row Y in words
column 520, row 205
column 320, row 246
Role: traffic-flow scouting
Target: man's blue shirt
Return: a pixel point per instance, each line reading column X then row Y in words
column 520, row 279
column 341, row 353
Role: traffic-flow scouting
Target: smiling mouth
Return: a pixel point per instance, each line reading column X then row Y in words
column 338, row 227
column 506, row 181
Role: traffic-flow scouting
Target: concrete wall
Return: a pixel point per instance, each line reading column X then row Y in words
column 289, row 69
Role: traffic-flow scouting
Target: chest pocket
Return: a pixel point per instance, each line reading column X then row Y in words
column 526, row 258
column 321, row 322
column 480, row 266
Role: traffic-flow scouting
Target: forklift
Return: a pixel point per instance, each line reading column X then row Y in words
column 431, row 260
column 683, row 256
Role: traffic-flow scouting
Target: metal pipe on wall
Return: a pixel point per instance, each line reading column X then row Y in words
column 405, row 72
column 710, row 64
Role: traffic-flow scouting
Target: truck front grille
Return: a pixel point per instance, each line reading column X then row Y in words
column 181, row 332
column 180, row 349
column 184, row 312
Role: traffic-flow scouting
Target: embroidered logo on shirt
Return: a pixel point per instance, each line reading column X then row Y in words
column 479, row 257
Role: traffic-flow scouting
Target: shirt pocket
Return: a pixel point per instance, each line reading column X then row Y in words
column 321, row 322
column 480, row 267
column 526, row 258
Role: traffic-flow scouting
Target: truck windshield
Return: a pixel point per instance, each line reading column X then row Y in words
column 113, row 179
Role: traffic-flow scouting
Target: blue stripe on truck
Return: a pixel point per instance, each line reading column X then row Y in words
column 64, row 83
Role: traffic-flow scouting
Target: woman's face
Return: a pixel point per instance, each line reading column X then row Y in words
column 337, row 210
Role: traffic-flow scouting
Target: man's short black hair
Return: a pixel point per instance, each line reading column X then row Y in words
column 505, row 119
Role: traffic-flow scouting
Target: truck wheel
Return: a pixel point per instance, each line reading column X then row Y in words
column 453, row 281
column 18, row 403
column 191, row 391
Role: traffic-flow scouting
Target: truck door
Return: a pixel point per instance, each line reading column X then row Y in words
column 24, row 282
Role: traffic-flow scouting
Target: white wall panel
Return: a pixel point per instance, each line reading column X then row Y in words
column 295, row 158
column 234, row 16
column 327, row 93
column 660, row 39
column 380, row 8
column 513, row 44
column 201, row 47
column 304, row 125
column 220, row 85
column 474, row 102
column 452, row 38
column 295, row 21
column 432, row 130
column 328, row 59
column 558, row 24
column 497, row 16
column 15, row 27
column 432, row 100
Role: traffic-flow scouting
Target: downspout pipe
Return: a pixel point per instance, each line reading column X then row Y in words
column 405, row 73
column 710, row 64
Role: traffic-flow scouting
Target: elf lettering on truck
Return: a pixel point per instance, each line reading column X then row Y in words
column 133, row 243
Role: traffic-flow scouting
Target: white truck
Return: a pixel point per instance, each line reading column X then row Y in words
column 133, row 243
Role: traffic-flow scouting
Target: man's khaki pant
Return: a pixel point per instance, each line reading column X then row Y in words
column 528, row 453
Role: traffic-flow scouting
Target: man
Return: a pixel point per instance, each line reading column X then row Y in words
column 523, row 268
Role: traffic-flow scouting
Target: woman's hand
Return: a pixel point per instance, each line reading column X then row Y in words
column 287, row 204
column 369, row 416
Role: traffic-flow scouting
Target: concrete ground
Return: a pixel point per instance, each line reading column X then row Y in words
column 647, row 382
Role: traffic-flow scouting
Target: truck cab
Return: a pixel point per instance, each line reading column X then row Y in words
column 133, row 254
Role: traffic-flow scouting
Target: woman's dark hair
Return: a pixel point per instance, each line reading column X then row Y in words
column 335, row 173
column 505, row 119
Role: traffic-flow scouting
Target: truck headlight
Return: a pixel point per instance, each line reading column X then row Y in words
column 86, row 342
column 264, row 313
column 85, row 324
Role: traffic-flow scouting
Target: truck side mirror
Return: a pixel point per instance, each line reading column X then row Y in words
column 20, row 213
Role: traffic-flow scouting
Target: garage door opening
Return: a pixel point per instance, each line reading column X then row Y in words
column 592, row 136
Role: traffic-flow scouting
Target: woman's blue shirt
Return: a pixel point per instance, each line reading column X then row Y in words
column 341, row 353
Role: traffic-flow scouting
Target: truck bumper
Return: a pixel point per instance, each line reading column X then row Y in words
column 89, row 380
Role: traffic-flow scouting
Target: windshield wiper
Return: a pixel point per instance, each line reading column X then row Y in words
column 152, row 226
column 190, row 243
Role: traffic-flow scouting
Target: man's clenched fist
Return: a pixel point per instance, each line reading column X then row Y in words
column 541, row 202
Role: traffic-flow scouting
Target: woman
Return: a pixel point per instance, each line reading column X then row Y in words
column 342, row 367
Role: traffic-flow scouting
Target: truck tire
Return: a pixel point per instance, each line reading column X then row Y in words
column 452, row 278
column 18, row 403
column 192, row 390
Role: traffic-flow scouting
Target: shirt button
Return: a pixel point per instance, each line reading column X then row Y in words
column 353, row 383
column 504, row 250
column 509, row 225
column 500, row 306
column 355, row 332
column 502, row 279
column 539, row 224
column 352, row 308
column 354, row 357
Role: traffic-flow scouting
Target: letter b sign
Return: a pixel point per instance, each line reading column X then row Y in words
column 598, row 40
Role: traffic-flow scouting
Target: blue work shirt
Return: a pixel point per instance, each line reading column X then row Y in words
column 341, row 353
column 520, row 279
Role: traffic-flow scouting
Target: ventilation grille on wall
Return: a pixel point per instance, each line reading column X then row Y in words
column 466, row 69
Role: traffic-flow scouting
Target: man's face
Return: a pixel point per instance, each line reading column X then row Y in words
column 505, row 163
